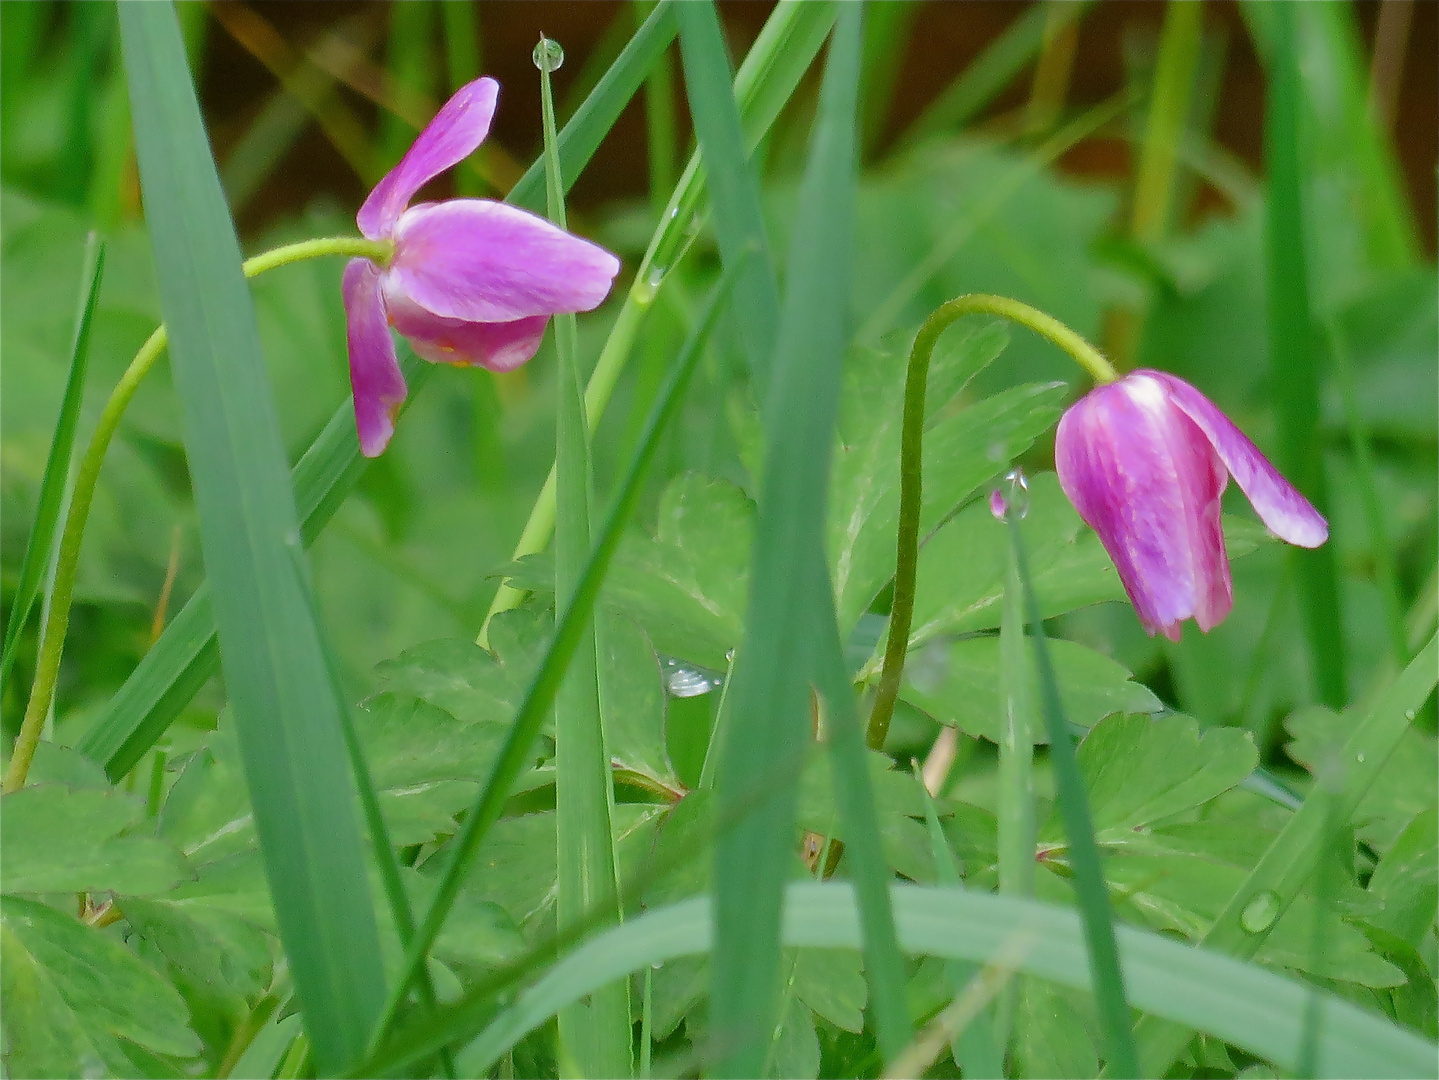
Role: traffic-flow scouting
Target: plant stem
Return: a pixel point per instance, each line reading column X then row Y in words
column 52, row 636
column 911, row 449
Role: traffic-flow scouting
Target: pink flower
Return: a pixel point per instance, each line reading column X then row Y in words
column 471, row 281
column 1144, row 460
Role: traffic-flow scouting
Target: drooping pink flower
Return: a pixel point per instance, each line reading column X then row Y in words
column 1144, row 460
column 471, row 281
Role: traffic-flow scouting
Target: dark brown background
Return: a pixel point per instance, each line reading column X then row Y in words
column 946, row 35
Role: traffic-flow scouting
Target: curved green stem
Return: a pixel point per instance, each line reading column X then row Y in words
column 52, row 635
column 911, row 448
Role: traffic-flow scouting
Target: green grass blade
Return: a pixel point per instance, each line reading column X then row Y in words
column 1251, row 913
column 1106, row 976
column 1169, row 111
column 285, row 712
column 769, row 717
column 45, row 532
column 883, row 965
column 592, row 121
column 187, row 654
column 460, row 25
column 993, row 70
column 594, row 1035
column 1294, row 357
column 569, row 628
column 410, row 60
column 733, row 186
column 661, row 133
column 1244, row 1004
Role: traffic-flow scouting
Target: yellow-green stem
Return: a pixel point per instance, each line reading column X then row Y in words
column 911, row 448
column 52, row 634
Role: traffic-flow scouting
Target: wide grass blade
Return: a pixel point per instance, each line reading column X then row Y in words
column 45, row 533
column 595, row 1034
column 569, row 628
column 1254, row 909
column 1294, row 357
column 733, row 185
column 179, row 664
column 770, row 690
column 1107, row 978
column 285, row 712
column 1243, row 1004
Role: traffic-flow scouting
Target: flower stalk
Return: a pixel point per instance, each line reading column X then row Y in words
column 52, row 634
column 911, row 449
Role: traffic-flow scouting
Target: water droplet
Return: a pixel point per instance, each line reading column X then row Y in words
column 686, row 681
column 548, row 56
column 1360, row 757
column 1409, row 715
column 1011, row 497
column 1259, row 914
column 729, row 655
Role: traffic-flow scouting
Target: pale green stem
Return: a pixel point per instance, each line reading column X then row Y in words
column 52, row 635
column 911, row 448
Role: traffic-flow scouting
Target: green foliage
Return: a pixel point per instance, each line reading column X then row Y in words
column 142, row 908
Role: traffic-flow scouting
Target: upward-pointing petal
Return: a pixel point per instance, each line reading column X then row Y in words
column 375, row 378
column 453, row 135
column 1287, row 513
column 484, row 261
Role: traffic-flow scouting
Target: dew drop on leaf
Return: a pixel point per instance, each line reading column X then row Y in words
column 1259, row 914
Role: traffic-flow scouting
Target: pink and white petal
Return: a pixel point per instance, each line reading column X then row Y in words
column 1287, row 513
column 496, row 346
column 484, row 261
column 453, row 135
column 1114, row 453
column 375, row 379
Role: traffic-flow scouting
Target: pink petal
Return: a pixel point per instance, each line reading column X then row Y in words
column 1286, row 512
column 375, row 379
column 453, row 135
column 497, row 346
column 1145, row 479
column 484, row 261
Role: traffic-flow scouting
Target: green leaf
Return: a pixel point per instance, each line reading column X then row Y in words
column 62, row 839
column 1256, row 1010
column 958, row 684
column 1141, row 769
column 1050, row 1036
column 831, row 982
column 1407, row 880
column 960, row 453
column 633, row 698
column 793, row 1049
column 1406, row 784
column 214, row 948
column 72, row 994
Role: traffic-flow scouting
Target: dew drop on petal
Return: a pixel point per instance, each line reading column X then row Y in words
column 1259, row 914
column 548, row 56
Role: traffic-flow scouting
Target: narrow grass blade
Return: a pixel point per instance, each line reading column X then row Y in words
column 569, row 628
column 1168, row 112
column 992, row 71
column 977, row 1049
column 769, row 719
column 45, row 532
column 1294, row 357
column 461, row 27
column 1243, row 1004
column 285, row 712
column 182, row 660
column 592, row 120
column 733, row 186
column 883, row 965
column 887, row 30
column 1106, row 977
column 660, row 129
column 594, row 1035
column 410, row 59
column 1254, row 909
